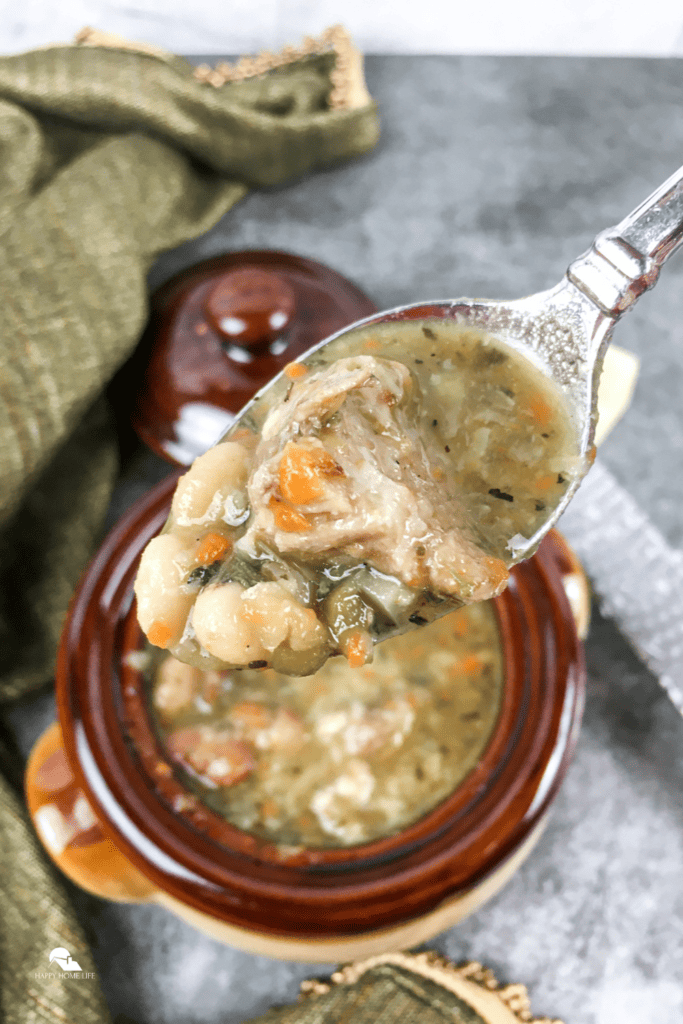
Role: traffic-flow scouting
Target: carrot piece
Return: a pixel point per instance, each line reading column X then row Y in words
column 356, row 648
column 212, row 547
column 372, row 343
column 471, row 664
column 544, row 483
column 294, row 371
column 540, row 410
column 287, row 518
column 269, row 808
column 301, row 470
column 300, row 482
column 160, row 634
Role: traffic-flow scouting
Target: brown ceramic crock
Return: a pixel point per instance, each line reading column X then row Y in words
column 112, row 813
column 316, row 904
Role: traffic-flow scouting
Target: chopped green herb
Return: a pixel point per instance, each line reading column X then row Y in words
column 239, row 570
column 495, row 492
column 487, row 355
column 203, row 574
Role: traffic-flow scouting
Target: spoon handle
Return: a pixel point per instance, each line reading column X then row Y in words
column 624, row 261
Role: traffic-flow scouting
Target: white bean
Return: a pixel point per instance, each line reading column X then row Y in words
column 280, row 618
column 201, row 493
column 223, row 629
column 160, row 599
column 175, row 687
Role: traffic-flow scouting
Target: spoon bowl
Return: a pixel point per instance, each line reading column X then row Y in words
column 565, row 330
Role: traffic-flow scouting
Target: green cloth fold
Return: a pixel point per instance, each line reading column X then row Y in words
column 108, row 157
column 408, row 988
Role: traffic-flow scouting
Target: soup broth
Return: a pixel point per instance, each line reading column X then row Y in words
column 343, row 756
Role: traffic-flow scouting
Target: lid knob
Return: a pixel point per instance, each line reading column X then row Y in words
column 250, row 307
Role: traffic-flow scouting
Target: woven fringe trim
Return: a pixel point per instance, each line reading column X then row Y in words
column 439, row 969
column 109, row 40
column 349, row 90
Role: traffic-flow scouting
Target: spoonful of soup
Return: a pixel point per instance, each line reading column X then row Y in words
column 397, row 470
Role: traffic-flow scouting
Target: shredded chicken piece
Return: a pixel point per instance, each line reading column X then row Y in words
column 384, row 496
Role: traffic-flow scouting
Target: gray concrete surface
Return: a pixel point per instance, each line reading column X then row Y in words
column 491, row 175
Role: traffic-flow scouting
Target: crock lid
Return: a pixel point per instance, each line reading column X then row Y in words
column 222, row 329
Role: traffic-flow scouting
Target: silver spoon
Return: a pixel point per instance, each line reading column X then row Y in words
column 566, row 330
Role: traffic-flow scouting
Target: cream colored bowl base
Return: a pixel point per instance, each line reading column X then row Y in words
column 365, row 944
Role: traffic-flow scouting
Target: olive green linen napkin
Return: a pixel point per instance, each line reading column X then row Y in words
column 405, row 988
column 110, row 153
